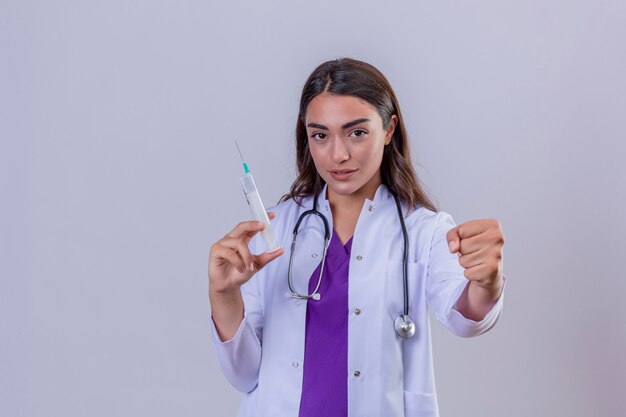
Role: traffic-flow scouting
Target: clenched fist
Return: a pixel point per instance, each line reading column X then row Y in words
column 479, row 244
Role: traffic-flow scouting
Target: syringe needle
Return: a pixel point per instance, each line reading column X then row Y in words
column 245, row 166
column 239, row 150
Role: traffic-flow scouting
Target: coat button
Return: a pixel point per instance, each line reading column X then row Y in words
column 357, row 373
column 359, row 258
column 357, row 311
column 295, row 364
column 370, row 208
column 314, row 255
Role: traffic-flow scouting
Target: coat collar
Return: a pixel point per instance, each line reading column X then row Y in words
column 382, row 194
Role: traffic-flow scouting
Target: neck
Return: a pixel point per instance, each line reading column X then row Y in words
column 352, row 203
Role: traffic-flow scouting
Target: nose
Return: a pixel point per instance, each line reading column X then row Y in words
column 339, row 151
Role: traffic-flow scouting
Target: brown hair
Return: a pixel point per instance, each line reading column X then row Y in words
column 346, row 76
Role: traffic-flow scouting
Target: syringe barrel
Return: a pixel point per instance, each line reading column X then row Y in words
column 258, row 211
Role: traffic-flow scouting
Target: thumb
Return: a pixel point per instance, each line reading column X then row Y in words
column 454, row 240
column 263, row 259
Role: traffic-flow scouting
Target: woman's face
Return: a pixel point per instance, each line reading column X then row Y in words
column 347, row 139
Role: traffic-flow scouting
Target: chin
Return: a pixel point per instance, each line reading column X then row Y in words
column 343, row 188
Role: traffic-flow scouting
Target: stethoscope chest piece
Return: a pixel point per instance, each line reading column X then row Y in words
column 405, row 326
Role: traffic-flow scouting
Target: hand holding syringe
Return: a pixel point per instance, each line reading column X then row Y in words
column 231, row 264
column 256, row 205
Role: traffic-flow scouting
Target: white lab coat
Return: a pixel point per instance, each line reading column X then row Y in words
column 264, row 359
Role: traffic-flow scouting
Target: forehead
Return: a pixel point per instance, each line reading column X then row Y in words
column 329, row 108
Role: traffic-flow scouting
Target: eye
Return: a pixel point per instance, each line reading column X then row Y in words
column 359, row 133
column 319, row 136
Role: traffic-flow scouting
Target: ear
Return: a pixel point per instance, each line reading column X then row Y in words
column 391, row 127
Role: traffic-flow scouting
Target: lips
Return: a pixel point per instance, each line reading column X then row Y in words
column 342, row 174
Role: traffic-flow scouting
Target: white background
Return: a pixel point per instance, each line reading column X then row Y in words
column 118, row 172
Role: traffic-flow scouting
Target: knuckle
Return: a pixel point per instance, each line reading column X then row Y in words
column 462, row 247
column 496, row 225
column 497, row 238
column 242, row 246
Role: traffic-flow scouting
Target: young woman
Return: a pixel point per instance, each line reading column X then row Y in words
column 338, row 325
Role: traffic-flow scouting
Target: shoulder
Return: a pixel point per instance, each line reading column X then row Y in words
column 421, row 217
column 288, row 211
column 429, row 223
column 290, row 205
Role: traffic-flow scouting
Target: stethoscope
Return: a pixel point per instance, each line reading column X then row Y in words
column 403, row 324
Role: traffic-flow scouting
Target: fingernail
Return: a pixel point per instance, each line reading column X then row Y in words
column 251, row 267
column 452, row 245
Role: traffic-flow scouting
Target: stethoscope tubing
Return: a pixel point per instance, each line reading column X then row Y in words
column 405, row 256
column 404, row 325
column 314, row 211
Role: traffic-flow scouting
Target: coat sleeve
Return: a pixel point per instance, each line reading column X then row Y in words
column 445, row 282
column 240, row 357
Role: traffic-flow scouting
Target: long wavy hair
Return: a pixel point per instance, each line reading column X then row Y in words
column 350, row 77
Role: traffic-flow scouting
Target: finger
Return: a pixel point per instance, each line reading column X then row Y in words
column 248, row 229
column 477, row 273
column 473, row 259
column 223, row 253
column 271, row 215
column 491, row 237
column 454, row 239
column 473, row 228
column 473, row 244
column 264, row 258
column 241, row 247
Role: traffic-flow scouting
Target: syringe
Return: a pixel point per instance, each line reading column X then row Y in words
column 256, row 205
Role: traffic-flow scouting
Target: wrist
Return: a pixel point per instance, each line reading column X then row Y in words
column 490, row 291
column 223, row 289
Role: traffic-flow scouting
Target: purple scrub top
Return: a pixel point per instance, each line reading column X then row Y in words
column 325, row 379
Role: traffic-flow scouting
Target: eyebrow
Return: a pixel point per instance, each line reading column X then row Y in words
column 345, row 126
